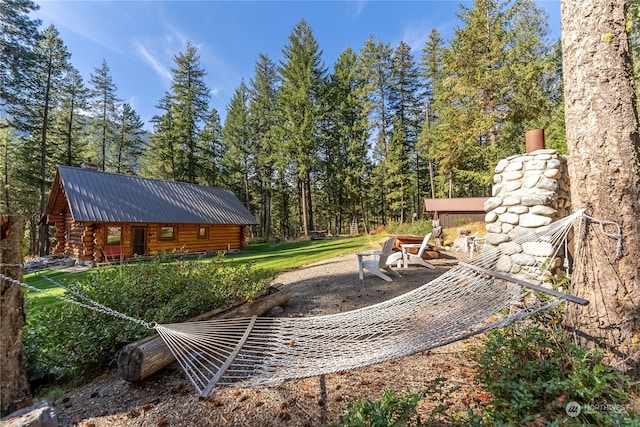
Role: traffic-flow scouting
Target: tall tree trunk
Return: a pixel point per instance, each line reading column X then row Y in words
column 14, row 386
column 603, row 146
column 303, row 207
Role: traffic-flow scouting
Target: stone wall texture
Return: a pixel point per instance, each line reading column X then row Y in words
column 529, row 191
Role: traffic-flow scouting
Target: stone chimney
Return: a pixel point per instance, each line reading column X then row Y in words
column 88, row 164
column 529, row 191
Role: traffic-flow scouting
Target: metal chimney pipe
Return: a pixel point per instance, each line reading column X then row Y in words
column 534, row 140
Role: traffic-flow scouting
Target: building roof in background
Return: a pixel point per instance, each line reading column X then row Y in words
column 108, row 197
column 463, row 204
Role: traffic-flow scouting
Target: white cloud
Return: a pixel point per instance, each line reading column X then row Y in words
column 76, row 18
column 151, row 57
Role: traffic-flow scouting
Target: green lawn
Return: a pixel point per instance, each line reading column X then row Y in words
column 289, row 255
column 275, row 256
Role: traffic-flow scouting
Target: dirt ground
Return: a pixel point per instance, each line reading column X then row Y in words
column 327, row 287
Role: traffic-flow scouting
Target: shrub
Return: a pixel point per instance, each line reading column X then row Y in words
column 528, row 374
column 419, row 228
column 72, row 342
column 394, row 410
column 532, row 371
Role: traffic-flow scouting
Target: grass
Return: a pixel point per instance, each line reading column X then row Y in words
column 280, row 257
column 289, row 255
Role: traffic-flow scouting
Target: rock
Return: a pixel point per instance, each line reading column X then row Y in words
column 536, row 165
column 504, row 264
column 510, row 218
column 511, row 200
column 538, row 249
column 548, row 184
column 529, row 220
column 513, row 166
column 495, row 239
column 501, row 165
column 509, row 248
column 543, row 210
column 494, row 227
column 511, row 175
column 41, row 414
column 490, row 217
column 512, row 186
column 518, row 209
column 523, row 259
column 536, row 199
column 531, row 181
column 491, row 203
column 506, row 228
column 553, row 173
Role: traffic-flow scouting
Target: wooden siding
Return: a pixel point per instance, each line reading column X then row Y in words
column 457, row 219
column 220, row 237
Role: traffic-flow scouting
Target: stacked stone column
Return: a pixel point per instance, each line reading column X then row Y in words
column 529, row 191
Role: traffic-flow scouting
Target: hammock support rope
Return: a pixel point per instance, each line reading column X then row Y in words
column 468, row 299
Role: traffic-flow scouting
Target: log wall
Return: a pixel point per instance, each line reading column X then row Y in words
column 219, row 238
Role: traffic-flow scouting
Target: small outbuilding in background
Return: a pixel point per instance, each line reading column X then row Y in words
column 453, row 212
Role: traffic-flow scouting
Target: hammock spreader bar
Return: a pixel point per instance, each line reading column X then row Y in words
column 229, row 360
column 568, row 297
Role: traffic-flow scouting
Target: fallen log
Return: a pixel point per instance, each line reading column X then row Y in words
column 140, row 359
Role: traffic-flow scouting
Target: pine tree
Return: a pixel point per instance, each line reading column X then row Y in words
column 189, row 102
column 345, row 154
column 406, row 108
column 236, row 154
column 32, row 116
column 376, row 69
column 210, row 141
column 159, row 158
column 18, row 33
column 129, row 142
column 262, row 119
column 495, row 76
column 104, row 104
column 302, row 74
column 431, row 65
column 69, row 124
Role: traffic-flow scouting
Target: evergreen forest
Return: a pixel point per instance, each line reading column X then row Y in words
column 304, row 145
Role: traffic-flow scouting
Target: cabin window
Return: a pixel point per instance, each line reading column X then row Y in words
column 203, row 232
column 114, row 235
column 167, row 232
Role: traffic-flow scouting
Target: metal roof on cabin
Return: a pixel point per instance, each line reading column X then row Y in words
column 108, row 197
column 462, row 204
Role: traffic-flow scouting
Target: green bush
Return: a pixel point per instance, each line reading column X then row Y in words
column 72, row 342
column 394, row 410
column 528, row 375
column 531, row 371
column 419, row 228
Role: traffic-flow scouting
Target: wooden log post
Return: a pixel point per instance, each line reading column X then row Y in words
column 14, row 384
column 140, row 359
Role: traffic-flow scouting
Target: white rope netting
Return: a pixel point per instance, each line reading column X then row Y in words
column 469, row 299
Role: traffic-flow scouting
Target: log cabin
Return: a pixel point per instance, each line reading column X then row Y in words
column 105, row 216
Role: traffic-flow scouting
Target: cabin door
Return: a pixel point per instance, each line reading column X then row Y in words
column 139, row 246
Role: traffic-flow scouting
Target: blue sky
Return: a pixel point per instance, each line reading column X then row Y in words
column 139, row 39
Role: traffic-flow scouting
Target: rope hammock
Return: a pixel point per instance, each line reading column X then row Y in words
column 471, row 298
